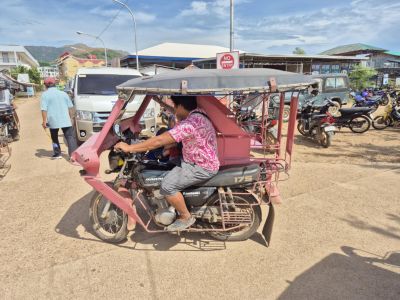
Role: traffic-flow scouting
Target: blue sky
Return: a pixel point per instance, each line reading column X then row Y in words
column 261, row 26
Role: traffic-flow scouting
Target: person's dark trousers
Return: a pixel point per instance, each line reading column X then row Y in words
column 70, row 138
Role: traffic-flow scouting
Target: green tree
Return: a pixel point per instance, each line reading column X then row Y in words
column 18, row 70
column 299, row 50
column 360, row 77
column 34, row 75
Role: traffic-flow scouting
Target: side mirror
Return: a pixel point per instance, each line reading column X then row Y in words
column 117, row 130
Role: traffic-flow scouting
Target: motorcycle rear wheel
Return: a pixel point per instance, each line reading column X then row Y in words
column 380, row 122
column 356, row 124
column 112, row 228
column 242, row 233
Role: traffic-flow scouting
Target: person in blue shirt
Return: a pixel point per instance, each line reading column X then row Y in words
column 57, row 112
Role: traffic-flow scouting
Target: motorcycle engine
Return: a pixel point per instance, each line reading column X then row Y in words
column 165, row 214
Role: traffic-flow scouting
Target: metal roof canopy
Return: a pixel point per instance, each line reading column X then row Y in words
column 212, row 81
column 245, row 57
column 352, row 49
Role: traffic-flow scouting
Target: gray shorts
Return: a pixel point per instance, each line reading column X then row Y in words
column 182, row 177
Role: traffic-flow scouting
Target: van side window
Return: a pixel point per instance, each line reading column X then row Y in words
column 335, row 83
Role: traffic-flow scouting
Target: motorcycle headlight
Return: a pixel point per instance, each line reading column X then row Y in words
column 84, row 115
column 149, row 113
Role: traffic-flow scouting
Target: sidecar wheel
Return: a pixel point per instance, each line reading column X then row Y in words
column 240, row 234
column 112, row 228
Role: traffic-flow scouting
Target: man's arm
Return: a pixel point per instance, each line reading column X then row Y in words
column 44, row 118
column 150, row 144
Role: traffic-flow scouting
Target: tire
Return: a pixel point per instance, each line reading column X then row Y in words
column 326, row 139
column 14, row 134
column 334, row 110
column 120, row 233
column 355, row 123
column 380, row 123
column 300, row 129
column 247, row 232
column 286, row 113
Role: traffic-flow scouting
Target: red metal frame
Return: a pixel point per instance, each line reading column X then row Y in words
column 233, row 142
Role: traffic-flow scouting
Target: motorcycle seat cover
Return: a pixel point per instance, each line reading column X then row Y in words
column 234, row 175
column 354, row 110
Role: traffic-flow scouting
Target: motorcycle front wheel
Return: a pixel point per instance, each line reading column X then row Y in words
column 300, row 128
column 380, row 122
column 326, row 139
column 112, row 228
column 359, row 124
column 243, row 204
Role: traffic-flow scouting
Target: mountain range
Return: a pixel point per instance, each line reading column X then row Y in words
column 46, row 54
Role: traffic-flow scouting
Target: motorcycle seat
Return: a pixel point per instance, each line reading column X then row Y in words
column 233, row 175
column 318, row 116
column 374, row 98
column 354, row 110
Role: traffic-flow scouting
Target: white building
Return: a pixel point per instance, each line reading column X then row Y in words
column 13, row 56
column 48, row 72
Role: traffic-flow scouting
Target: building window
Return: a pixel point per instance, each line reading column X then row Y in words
column 316, row 68
column 325, row 69
column 6, row 59
column 335, row 69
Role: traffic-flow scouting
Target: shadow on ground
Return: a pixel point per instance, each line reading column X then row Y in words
column 78, row 215
column 356, row 274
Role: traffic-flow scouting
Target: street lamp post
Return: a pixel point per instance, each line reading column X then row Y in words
column 134, row 27
column 231, row 31
column 97, row 38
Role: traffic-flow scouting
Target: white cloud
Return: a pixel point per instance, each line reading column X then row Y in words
column 197, row 8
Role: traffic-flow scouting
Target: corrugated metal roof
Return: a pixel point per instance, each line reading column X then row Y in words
column 351, row 48
column 182, row 50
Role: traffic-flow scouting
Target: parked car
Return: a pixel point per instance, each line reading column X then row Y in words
column 333, row 86
column 94, row 95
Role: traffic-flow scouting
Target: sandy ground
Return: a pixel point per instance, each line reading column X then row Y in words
column 336, row 235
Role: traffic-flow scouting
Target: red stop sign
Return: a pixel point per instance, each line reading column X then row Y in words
column 227, row 61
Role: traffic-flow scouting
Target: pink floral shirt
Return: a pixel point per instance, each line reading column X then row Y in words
column 199, row 141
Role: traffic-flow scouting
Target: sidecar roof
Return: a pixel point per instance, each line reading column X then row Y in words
column 213, row 81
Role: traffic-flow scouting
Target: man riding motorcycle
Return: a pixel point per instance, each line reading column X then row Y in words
column 200, row 156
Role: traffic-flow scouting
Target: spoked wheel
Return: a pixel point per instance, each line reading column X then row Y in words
column 286, row 113
column 359, row 124
column 380, row 122
column 326, row 139
column 334, row 110
column 111, row 228
column 300, row 128
column 243, row 211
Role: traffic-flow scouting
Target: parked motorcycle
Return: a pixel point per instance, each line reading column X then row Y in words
column 313, row 122
column 9, row 122
column 364, row 100
column 391, row 117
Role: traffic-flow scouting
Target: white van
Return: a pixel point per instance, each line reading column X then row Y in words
column 94, row 95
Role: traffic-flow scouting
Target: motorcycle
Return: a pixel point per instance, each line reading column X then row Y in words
column 227, row 206
column 316, row 125
column 363, row 100
column 9, row 123
column 391, row 116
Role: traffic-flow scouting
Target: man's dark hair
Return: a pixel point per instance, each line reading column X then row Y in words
column 188, row 102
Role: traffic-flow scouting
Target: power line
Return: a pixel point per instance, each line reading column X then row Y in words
column 109, row 24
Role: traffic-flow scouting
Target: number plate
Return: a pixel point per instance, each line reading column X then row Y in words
column 329, row 128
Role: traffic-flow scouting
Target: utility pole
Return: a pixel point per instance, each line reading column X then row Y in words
column 231, row 33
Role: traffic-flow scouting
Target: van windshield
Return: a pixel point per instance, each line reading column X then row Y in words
column 101, row 84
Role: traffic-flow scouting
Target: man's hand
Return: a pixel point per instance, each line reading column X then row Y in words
column 121, row 146
column 44, row 125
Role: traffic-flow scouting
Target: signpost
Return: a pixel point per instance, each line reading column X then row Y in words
column 228, row 60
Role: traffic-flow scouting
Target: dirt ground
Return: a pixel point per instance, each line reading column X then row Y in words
column 336, row 234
